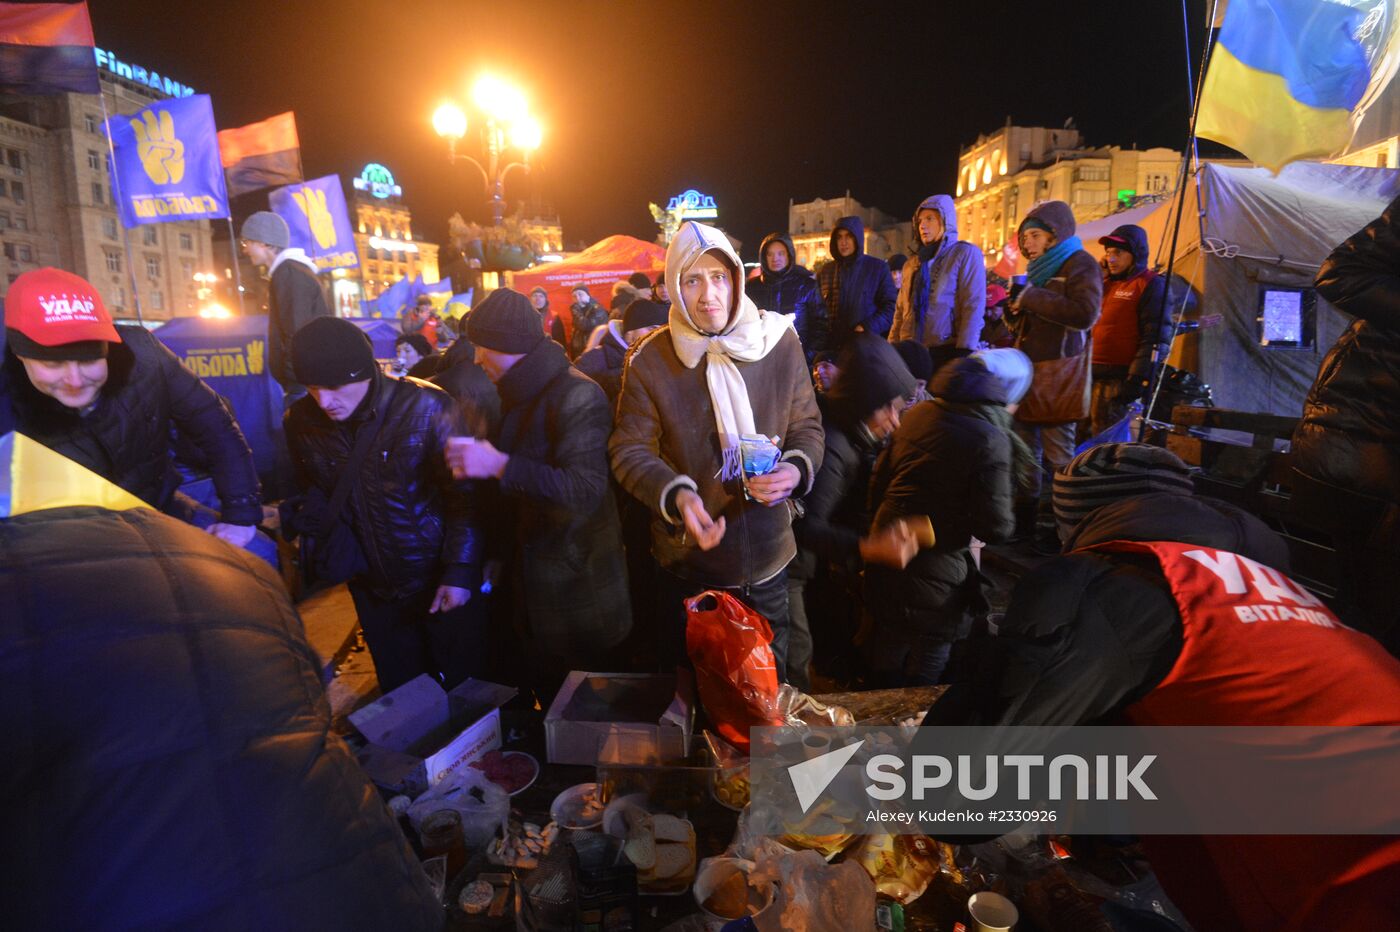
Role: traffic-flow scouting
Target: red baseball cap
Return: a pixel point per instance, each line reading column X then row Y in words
column 56, row 315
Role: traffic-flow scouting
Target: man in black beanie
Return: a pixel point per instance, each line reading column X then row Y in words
column 603, row 364
column 369, row 448
column 567, row 578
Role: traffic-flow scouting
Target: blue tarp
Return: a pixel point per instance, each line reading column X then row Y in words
column 230, row 355
column 381, row 333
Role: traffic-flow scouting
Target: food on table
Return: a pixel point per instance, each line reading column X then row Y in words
column 901, row 865
column 512, row 771
column 476, row 897
column 735, row 898
column 523, row 845
column 732, row 787
column 578, row 807
column 662, row 847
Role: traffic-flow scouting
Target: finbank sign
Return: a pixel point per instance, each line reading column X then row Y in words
column 110, row 63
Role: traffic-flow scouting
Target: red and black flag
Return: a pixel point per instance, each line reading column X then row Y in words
column 261, row 155
column 46, row 48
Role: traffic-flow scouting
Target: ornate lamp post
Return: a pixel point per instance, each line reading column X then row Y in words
column 508, row 125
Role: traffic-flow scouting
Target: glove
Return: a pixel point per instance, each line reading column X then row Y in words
column 1131, row 390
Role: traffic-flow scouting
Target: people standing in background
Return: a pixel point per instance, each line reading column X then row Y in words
column 858, row 290
column 550, row 322
column 294, row 295
column 945, row 291
column 784, row 287
column 586, row 314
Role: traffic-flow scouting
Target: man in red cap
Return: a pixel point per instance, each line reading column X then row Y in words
column 107, row 397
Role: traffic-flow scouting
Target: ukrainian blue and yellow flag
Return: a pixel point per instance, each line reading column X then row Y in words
column 1284, row 79
column 34, row 478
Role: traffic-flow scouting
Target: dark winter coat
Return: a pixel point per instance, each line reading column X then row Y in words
column 1054, row 322
column 603, row 363
column 955, row 468
column 585, row 318
column 170, row 757
column 414, row 523
column 469, row 384
column 568, row 565
column 1349, row 435
column 947, row 282
column 794, row 292
column 294, row 299
column 858, row 290
column 127, row 437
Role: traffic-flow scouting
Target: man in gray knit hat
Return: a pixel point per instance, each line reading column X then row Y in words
column 294, row 296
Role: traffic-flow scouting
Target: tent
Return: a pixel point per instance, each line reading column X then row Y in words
column 1258, row 236
column 382, row 334
column 606, row 261
column 230, row 355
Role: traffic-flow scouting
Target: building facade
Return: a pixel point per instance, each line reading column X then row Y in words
column 1002, row 175
column 56, row 205
column 810, row 225
column 385, row 242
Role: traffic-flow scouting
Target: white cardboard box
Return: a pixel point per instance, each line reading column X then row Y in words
column 591, row 706
column 418, row 733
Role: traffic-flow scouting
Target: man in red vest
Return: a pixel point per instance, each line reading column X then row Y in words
column 1124, row 335
column 1173, row 609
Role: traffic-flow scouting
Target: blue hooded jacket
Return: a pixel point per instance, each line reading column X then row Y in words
column 858, row 290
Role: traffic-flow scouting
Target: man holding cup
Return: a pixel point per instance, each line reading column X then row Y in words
column 720, row 371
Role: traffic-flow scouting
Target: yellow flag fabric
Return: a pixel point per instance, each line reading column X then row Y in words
column 33, row 478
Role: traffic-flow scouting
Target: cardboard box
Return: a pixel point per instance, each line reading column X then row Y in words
column 591, row 706
column 418, row 734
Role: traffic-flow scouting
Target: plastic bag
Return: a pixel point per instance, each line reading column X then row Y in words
column 484, row 806
column 817, row 896
column 902, row 866
column 729, row 644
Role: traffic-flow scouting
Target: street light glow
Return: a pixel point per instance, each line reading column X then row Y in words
column 498, row 99
column 449, row 121
column 526, row 134
column 215, row 312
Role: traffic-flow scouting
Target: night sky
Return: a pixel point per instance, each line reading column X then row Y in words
column 753, row 103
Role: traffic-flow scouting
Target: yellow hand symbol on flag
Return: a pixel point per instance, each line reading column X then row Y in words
column 255, row 357
column 312, row 202
column 161, row 153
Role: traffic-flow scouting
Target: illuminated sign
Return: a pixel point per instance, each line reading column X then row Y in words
column 692, row 205
column 378, row 181
column 113, row 65
column 392, row 245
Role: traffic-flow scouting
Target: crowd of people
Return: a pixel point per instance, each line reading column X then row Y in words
column 544, row 492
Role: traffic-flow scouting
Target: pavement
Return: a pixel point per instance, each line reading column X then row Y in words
column 346, row 669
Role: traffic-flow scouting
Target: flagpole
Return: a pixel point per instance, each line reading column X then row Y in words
column 115, row 178
column 237, row 271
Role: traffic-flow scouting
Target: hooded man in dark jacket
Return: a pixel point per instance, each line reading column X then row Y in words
column 859, row 414
column 109, row 398
column 603, row 364
column 568, row 575
column 294, row 295
column 408, row 540
column 944, row 295
column 587, row 314
column 784, row 287
column 1052, row 320
column 1346, row 448
column 858, row 289
column 551, row 322
column 952, row 460
column 1131, row 327
column 1101, row 636
column 170, row 757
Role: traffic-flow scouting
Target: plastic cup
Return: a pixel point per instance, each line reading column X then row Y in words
column 992, row 912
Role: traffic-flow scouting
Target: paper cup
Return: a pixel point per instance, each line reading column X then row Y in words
column 992, row 912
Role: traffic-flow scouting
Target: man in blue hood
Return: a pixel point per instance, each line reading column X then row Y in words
column 858, row 289
column 784, row 287
column 944, row 294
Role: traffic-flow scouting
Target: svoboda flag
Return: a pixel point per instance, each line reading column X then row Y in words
column 35, row 478
column 166, row 164
column 319, row 221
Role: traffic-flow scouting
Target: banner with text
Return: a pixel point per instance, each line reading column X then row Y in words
column 319, row 220
column 166, row 164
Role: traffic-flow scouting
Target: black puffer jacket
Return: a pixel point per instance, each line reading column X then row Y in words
column 127, row 437
column 570, row 569
column 858, row 290
column 793, row 291
column 170, row 759
column 414, row 522
column 1349, row 435
column 954, row 467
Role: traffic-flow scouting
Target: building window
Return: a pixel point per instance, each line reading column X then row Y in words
column 158, row 300
column 96, row 193
column 12, row 276
column 25, row 253
column 17, row 191
column 4, row 187
column 114, row 260
column 153, row 266
column 92, row 123
column 16, row 159
column 94, row 160
column 109, row 227
column 187, row 270
column 4, row 220
column 149, row 236
column 186, row 242
column 1088, row 173
column 22, row 222
column 10, row 251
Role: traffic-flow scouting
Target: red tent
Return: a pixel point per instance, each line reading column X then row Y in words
column 606, row 261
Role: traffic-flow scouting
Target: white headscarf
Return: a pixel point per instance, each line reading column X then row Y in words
column 750, row 336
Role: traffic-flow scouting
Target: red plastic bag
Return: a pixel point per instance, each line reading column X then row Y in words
column 729, row 644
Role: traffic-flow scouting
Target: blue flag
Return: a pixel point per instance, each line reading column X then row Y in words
column 315, row 212
column 391, row 302
column 166, row 166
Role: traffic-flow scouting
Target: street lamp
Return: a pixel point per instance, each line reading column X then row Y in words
column 507, row 120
